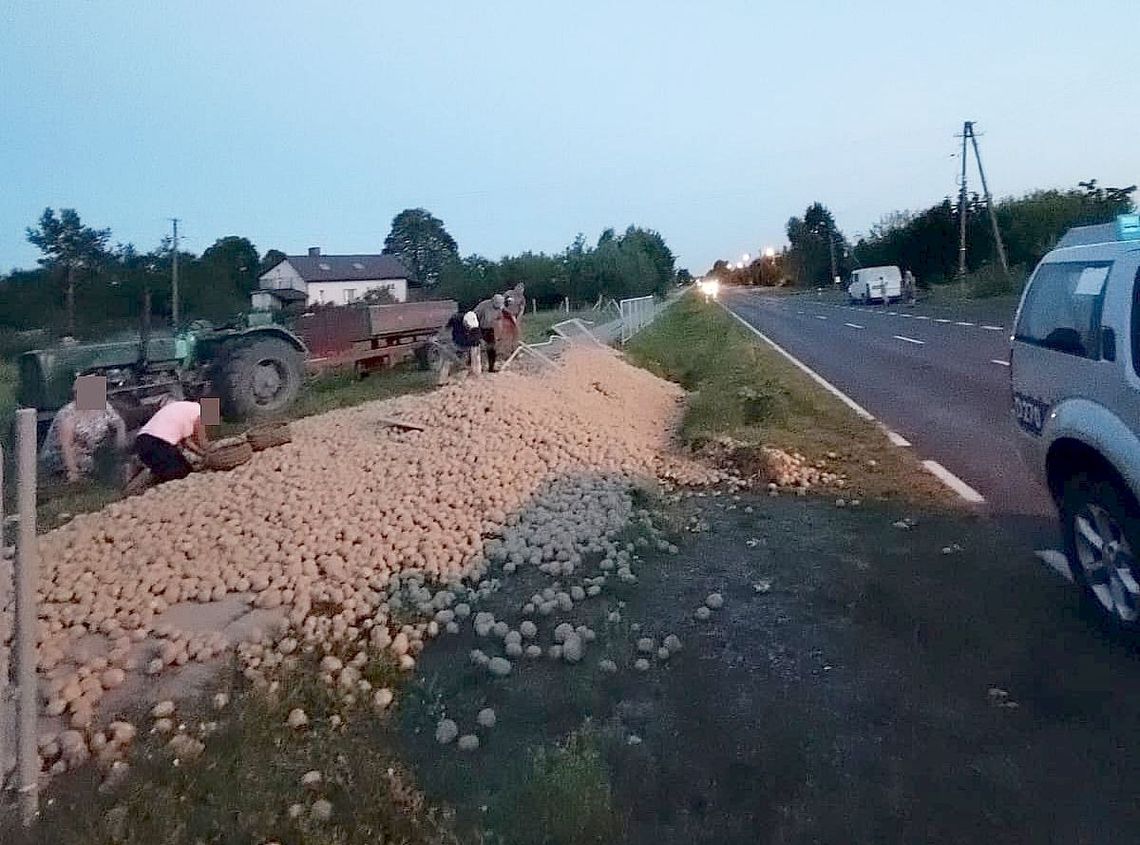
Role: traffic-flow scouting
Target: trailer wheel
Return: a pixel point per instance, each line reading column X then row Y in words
column 260, row 378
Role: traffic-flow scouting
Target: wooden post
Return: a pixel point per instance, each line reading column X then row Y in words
column 27, row 754
column 5, row 596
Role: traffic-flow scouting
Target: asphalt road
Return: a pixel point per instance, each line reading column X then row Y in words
column 939, row 379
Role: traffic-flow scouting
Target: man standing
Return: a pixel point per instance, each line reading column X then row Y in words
column 488, row 311
column 910, row 287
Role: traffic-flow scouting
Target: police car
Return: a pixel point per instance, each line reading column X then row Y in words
column 1075, row 369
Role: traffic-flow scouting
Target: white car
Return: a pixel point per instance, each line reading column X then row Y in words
column 875, row 284
column 1075, row 369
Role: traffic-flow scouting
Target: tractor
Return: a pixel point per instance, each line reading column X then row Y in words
column 254, row 367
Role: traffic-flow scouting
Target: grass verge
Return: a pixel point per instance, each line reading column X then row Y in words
column 245, row 786
column 745, row 391
column 537, row 327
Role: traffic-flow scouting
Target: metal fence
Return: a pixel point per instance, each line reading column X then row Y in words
column 636, row 314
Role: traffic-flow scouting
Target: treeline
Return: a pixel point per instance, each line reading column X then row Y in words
column 635, row 263
column 87, row 288
column 926, row 242
column 1030, row 225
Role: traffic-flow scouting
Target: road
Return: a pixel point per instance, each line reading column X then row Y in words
column 939, row 379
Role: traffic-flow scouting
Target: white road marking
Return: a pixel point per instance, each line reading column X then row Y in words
column 1000, row 361
column 893, row 313
column 964, row 324
column 910, row 340
column 906, row 315
column 896, row 438
column 820, row 317
column 816, row 377
column 921, row 317
column 994, row 328
column 941, row 320
column 952, row 481
column 854, row 325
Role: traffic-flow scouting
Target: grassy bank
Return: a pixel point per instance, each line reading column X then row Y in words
column 537, row 327
column 743, row 390
column 246, row 784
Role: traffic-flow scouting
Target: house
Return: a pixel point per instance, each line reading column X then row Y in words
column 329, row 279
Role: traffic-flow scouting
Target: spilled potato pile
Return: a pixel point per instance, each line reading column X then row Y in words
column 354, row 520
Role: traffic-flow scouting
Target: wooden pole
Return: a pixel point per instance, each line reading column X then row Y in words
column 962, row 206
column 27, row 754
column 5, row 651
column 989, row 205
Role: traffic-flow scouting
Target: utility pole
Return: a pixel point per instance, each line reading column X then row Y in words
column 989, row 203
column 962, row 206
column 174, row 278
column 968, row 134
column 831, row 251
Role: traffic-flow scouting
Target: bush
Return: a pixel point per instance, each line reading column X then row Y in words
column 990, row 280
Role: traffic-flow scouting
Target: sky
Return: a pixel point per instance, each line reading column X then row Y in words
column 521, row 124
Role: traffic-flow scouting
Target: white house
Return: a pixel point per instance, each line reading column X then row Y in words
column 332, row 279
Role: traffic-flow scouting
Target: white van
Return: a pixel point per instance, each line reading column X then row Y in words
column 875, row 283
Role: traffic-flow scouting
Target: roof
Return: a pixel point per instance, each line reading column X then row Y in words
column 347, row 268
column 1125, row 229
column 1084, row 235
column 284, row 294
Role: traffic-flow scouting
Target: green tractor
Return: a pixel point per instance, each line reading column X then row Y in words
column 256, row 369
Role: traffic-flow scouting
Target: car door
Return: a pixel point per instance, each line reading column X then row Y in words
column 1057, row 344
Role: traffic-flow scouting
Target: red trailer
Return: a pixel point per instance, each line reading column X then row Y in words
column 370, row 337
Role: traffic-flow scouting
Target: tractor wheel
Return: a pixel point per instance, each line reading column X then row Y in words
column 260, row 378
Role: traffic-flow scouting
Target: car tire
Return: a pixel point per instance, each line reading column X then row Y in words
column 1101, row 528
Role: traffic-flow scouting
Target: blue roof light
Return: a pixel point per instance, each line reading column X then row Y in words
column 1128, row 227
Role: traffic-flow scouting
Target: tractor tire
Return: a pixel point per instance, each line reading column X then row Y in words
column 260, row 378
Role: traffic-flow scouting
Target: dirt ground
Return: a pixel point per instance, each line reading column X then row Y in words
column 879, row 691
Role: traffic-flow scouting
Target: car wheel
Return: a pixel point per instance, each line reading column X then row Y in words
column 1102, row 538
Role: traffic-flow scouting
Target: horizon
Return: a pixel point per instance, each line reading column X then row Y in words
column 522, row 127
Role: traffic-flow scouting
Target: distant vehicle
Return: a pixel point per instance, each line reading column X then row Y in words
column 875, row 284
column 1075, row 370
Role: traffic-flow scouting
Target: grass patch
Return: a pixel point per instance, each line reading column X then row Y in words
column 536, row 327
column 742, row 389
column 241, row 788
column 564, row 797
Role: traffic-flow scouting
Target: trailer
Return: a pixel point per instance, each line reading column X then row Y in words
column 371, row 337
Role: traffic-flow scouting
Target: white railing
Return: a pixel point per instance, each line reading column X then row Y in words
column 636, row 314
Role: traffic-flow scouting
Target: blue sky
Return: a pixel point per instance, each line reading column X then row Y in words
column 523, row 123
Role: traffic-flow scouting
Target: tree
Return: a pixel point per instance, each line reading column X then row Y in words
column 70, row 246
column 812, row 241
column 420, row 241
column 378, row 296
column 271, row 259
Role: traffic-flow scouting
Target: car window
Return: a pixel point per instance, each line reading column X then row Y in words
column 1063, row 305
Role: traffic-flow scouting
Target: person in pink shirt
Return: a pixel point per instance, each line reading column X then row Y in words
column 175, row 425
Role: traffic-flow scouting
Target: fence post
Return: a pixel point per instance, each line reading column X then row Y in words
column 27, row 753
column 5, row 630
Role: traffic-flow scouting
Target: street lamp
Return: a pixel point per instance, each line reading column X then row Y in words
column 745, row 258
column 769, row 252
